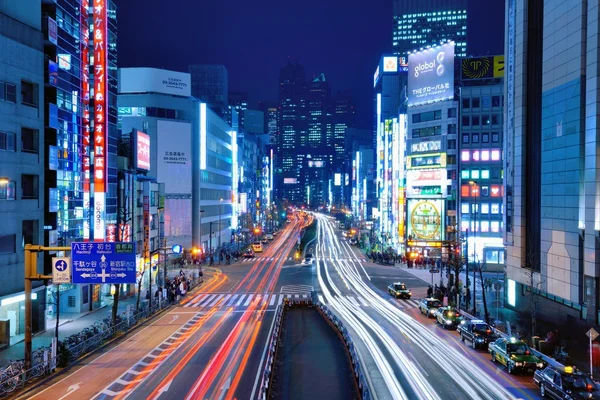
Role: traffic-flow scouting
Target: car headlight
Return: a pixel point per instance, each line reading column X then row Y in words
column 448, row 322
column 431, row 311
column 540, row 365
column 518, row 364
column 480, row 339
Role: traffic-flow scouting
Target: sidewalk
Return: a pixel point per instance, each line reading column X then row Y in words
column 73, row 323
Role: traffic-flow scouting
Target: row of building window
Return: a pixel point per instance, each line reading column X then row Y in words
column 481, row 120
column 485, row 137
column 480, row 155
column 483, row 102
column 29, row 141
column 29, row 188
column 486, row 191
column 29, row 93
column 481, row 226
column 481, row 208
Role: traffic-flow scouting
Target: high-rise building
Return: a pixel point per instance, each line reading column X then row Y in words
column 22, row 156
column 418, row 24
column 210, row 84
column 174, row 121
column 292, row 126
column 480, row 162
column 237, row 101
column 270, row 113
column 551, row 193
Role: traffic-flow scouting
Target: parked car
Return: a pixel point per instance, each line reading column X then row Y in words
column 264, row 240
column 448, row 317
column 399, row 291
column 565, row 383
column 477, row 332
column 257, row 247
column 248, row 253
column 429, row 306
column 269, row 236
column 515, row 355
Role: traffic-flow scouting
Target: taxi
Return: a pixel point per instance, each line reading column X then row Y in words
column 257, row 247
column 565, row 383
column 515, row 355
column 399, row 291
column 448, row 317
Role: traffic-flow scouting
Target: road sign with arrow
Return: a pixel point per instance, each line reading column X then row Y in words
column 61, row 270
column 103, row 262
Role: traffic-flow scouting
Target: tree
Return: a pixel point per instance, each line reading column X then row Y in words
column 455, row 262
column 139, row 290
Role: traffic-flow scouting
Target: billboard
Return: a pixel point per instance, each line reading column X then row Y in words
column 153, row 80
column 337, row 179
column 142, row 151
column 174, row 158
column 316, row 164
column 482, row 67
column 290, row 181
column 431, row 75
column 436, row 160
column 52, row 32
column 425, row 219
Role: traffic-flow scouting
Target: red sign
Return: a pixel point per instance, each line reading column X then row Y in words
column 143, row 151
column 85, row 106
column 111, row 233
column 146, row 226
column 124, row 233
column 100, row 35
column 426, row 175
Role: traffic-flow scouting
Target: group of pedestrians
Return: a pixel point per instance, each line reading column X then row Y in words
column 174, row 288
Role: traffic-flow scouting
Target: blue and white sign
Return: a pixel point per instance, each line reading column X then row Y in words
column 61, row 270
column 103, row 262
column 176, row 249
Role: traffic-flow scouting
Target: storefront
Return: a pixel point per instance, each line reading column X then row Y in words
column 12, row 308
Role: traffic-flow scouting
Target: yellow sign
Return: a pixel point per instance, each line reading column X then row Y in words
column 425, row 219
column 482, row 67
column 498, row 66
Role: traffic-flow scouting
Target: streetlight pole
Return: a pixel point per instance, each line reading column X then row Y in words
column 473, row 184
column 220, row 213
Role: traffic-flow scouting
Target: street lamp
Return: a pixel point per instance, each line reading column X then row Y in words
column 220, row 213
column 200, row 244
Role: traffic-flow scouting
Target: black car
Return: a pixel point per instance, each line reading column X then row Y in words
column 565, row 383
column 477, row 332
column 248, row 254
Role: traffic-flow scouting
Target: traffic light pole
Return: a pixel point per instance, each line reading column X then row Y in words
column 30, row 276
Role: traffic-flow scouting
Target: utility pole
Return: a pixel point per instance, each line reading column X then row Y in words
column 31, row 275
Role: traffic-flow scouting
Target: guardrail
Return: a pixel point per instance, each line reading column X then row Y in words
column 265, row 380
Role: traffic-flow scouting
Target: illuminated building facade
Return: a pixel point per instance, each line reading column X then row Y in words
column 418, row 24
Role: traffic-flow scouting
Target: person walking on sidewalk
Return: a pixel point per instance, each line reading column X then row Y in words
column 429, row 291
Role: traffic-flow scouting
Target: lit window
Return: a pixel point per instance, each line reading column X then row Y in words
column 474, row 190
column 485, row 226
column 475, row 155
column 475, row 174
column 464, row 225
column 496, row 191
column 464, row 208
column 464, row 155
column 495, row 226
column 485, row 174
column 485, row 155
column 464, row 190
column 495, row 155
column 495, row 208
column 464, row 174
column 485, row 208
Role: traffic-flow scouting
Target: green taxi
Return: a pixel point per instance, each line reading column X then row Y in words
column 515, row 355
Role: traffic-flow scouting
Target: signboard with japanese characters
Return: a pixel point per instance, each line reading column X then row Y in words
column 431, row 75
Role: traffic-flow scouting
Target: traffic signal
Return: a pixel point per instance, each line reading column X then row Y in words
column 256, row 230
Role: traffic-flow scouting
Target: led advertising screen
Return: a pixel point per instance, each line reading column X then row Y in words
column 425, row 219
column 174, row 160
column 142, row 145
column 337, row 179
column 431, row 75
column 290, row 181
column 390, row 64
column 482, row 67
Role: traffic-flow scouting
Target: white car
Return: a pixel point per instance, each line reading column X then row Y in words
column 308, row 259
column 269, row 236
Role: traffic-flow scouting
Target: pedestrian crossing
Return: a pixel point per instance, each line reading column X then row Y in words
column 407, row 303
column 296, row 289
column 243, row 300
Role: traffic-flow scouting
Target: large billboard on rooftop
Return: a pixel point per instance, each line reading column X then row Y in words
column 431, row 75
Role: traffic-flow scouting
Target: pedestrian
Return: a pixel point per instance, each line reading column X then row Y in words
column 429, row 291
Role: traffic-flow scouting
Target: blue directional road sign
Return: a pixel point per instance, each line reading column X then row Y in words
column 176, row 249
column 103, row 262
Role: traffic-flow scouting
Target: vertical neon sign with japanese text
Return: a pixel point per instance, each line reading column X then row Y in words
column 85, row 126
column 100, row 124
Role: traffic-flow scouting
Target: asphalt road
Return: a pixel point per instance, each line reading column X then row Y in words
column 406, row 355
column 210, row 346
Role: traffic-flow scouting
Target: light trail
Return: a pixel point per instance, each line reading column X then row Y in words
column 459, row 369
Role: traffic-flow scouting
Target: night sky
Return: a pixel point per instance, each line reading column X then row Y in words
column 253, row 39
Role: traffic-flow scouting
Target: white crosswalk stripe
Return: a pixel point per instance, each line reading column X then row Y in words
column 205, row 300
column 273, row 298
column 245, row 300
column 216, row 300
column 403, row 303
column 248, row 300
column 235, row 296
column 241, row 299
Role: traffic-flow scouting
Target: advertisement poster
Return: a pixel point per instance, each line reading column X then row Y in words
column 425, row 219
column 431, row 75
column 142, row 151
column 174, row 159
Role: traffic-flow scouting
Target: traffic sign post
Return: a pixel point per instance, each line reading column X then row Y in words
column 61, row 270
column 103, row 262
column 592, row 334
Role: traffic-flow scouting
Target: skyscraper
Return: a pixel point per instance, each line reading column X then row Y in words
column 237, row 101
column 291, row 127
column 418, row 24
column 210, row 83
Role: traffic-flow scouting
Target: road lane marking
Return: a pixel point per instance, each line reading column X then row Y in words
column 240, row 301
column 248, row 301
column 225, row 299
column 273, row 297
column 205, row 300
column 280, row 299
column 353, row 301
column 216, row 300
column 235, row 296
column 364, row 303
